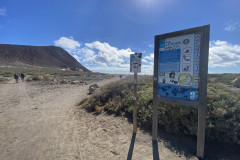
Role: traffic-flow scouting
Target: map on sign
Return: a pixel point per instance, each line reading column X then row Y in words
column 179, row 59
column 135, row 62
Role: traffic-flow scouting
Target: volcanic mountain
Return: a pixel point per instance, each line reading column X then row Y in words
column 42, row 56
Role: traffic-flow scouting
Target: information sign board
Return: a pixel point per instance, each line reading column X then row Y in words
column 180, row 66
column 135, row 62
column 180, row 74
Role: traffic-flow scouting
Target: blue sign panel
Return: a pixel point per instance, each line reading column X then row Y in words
column 179, row 59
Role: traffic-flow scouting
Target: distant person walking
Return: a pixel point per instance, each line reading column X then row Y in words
column 22, row 76
column 16, row 77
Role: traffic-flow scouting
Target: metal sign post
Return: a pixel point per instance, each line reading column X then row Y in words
column 135, row 66
column 180, row 74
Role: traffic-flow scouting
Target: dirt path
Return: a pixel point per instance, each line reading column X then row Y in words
column 37, row 121
column 41, row 122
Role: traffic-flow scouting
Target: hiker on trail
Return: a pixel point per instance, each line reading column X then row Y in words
column 16, row 77
column 22, row 76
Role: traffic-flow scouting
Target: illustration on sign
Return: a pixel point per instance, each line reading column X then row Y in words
column 135, row 62
column 179, row 59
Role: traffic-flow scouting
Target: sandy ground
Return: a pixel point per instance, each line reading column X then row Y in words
column 42, row 122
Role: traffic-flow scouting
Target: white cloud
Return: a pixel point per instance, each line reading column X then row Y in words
column 67, row 43
column 148, row 59
column 86, row 52
column 146, row 69
column 223, row 54
column 106, row 54
column 102, row 57
column 232, row 26
column 104, row 69
column 3, row 11
column 144, row 60
column 105, row 58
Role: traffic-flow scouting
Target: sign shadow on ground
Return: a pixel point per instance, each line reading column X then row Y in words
column 154, row 147
column 130, row 151
column 155, row 150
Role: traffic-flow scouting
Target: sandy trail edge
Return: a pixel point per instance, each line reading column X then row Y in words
column 42, row 122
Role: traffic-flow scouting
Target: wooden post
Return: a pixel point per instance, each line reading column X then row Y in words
column 155, row 117
column 201, row 130
column 203, row 94
column 135, row 104
column 155, row 93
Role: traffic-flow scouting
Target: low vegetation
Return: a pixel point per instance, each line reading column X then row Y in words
column 223, row 116
column 2, row 80
column 6, row 74
column 39, row 77
column 223, row 109
column 36, row 73
column 226, row 78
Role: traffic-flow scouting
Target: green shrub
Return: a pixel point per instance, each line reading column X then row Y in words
column 223, row 109
column 111, row 97
column 223, row 116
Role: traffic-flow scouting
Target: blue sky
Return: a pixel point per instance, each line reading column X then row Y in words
column 101, row 34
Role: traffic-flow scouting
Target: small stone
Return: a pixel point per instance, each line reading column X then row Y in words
column 94, row 86
column 64, row 81
column 75, row 82
column 114, row 152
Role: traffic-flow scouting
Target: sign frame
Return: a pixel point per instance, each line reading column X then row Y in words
column 202, row 89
